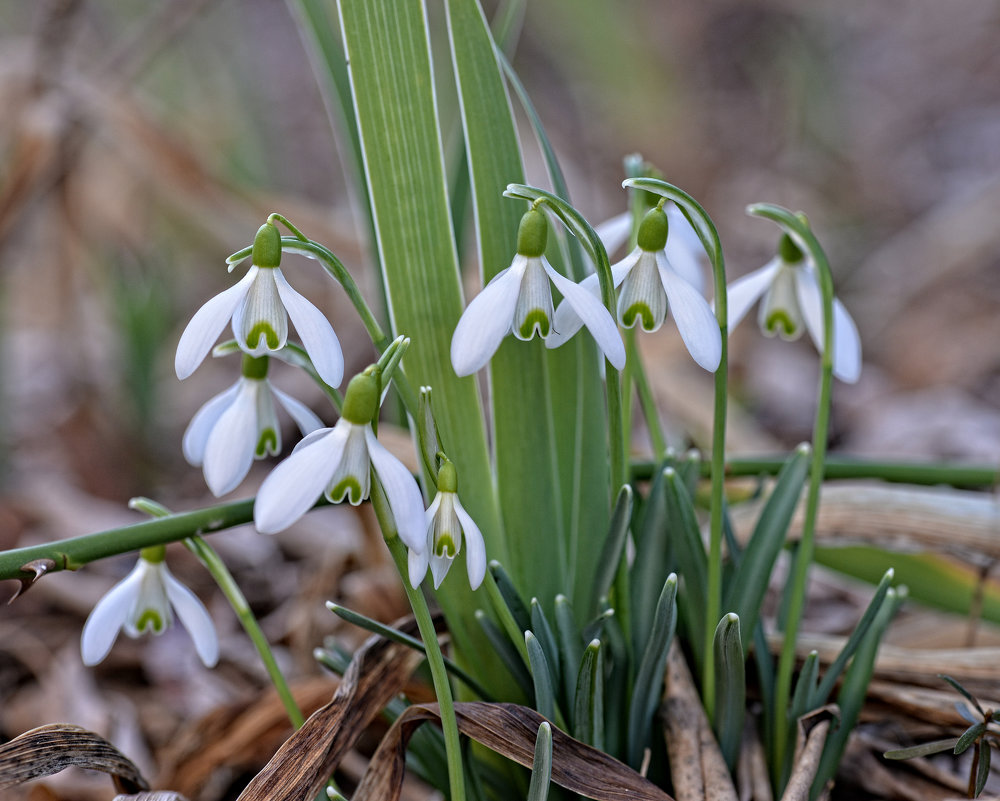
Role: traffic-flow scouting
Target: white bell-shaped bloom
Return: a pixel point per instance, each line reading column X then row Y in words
column 519, row 300
column 447, row 523
column 337, row 462
column 141, row 603
column 259, row 306
column 240, row 425
column 649, row 287
column 792, row 300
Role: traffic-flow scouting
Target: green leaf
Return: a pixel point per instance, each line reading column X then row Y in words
column 983, row 768
column 652, row 556
column 969, row 736
column 805, row 687
column 588, row 707
column 965, row 693
column 648, row 686
column 730, row 687
column 570, row 645
column 543, row 631
column 541, row 675
column 614, row 547
column 511, row 597
column 509, row 655
column 690, row 558
column 924, row 749
column 541, row 766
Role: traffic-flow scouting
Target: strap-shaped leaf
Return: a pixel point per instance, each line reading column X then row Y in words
column 730, row 687
column 541, row 676
column 588, row 707
column 511, row 597
column 653, row 553
column 805, row 687
column 691, row 563
column 541, row 765
column 924, row 749
column 614, row 547
column 983, row 768
column 570, row 647
column 508, row 654
column 547, row 639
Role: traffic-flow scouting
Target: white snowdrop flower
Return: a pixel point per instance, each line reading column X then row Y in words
column 240, row 425
column 259, row 306
column 792, row 300
column 519, row 300
column 447, row 522
column 337, row 462
column 141, row 603
column 649, row 287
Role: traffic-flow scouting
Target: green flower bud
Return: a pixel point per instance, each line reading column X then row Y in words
column 653, row 230
column 788, row 250
column 361, row 399
column 267, row 246
column 447, row 477
column 532, row 234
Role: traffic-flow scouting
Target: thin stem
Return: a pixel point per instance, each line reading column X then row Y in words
column 237, row 600
column 646, row 399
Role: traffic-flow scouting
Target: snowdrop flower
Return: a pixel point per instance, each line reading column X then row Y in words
column 259, row 307
column 518, row 300
column 792, row 299
column 447, row 521
column 337, row 462
column 240, row 425
column 141, row 603
column 649, row 285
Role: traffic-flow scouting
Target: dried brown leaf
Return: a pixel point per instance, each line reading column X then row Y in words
column 50, row 749
column 811, row 737
column 510, row 730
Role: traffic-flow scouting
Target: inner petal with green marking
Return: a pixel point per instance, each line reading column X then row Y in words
column 533, row 312
column 262, row 321
column 780, row 314
column 150, row 620
column 642, row 298
column 267, row 443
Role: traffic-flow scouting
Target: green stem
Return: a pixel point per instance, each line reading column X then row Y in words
column 210, row 559
column 435, row 660
column 646, row 399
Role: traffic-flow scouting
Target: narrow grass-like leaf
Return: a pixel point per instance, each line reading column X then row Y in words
column 969, row 736
column 965, row 693
column 689, row 469
column 509, row 655
column 853, row 642
column 652, row 555
column 541, row 766
column 983, row 768
column 588, row 706
column 618, row 675
column 646, row 691
column 691, row 560
column 541, row 676
column 924, row 749
column 805, row 687
column 570, row 646
column 511, row 597
column 730, row 687
column 749, row 583
column 765, row 682
column 614, row 547
column 547, row 639
column 966, row 713
column 594, row 630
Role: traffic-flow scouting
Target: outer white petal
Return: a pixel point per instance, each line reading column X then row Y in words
column 315, row 331
column 102, row 626
column 614, row 233
column 598, row 320
column 681, row 229
column 207, row 323
column 295, row 485
column 298, row 411
column 401, row 491
column 745, row 291
column 486, row 320
column 417, row 566
column 694, row 318
column 685, row 262
column 231, row 445
column 193, row 614
column 846, row 341
column 475, row 546
column 201, row 425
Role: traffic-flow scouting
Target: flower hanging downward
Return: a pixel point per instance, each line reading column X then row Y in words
column 259, row 307
column 141, row 603
column 447, row 522
column 792, row 299
column 518, row 300
column 649, row 286
column 337, row 462
column 240, row 425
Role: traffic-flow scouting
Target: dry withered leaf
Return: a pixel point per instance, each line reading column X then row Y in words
column 156, row 795
column 50, row 749
column 509, row 730
column 811, row 737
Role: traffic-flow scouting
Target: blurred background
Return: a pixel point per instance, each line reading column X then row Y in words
column 141, row 143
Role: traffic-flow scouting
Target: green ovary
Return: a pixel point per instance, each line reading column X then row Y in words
column 263, row 329
column 779, row 322
column 268, row 443
column 149, row 620
column 536, row 317
column 638, row 310
column 347, row 486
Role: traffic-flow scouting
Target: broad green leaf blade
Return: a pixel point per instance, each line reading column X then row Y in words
column 614, row 547
column 541, row 766
column 730, row 687
column 588, row 707
column 392, row 85
column 570, row 646
column 924, row 749
column 649, row 678
column 969, row 736
column 541, row 676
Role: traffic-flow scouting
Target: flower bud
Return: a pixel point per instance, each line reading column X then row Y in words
column 267, row 246
column 532, row 234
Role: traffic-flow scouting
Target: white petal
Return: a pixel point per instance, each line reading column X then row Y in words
column 598, row 320
column 697, row 325
column 315, row 331
column 201, row 425
column 475, row 546
column 298, row 411
column 102, row 626
column 231, row 445
column 194, row 617
column 486, row 320
column 614, row 233
column 417, row 566
column 685, row 261
column 294, row 486
column 440, row 565
column 261, row 306
column 846, row 341
column 401, row 491
column 207, row 323
column 681, row 229
column 745, row 291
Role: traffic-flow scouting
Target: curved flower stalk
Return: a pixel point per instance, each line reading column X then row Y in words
column 447, row 522
column 337, row 462
column 240, row 425
column 518, row 300
column 649, row 286
column 141, row 603
column 791, row 301
column 259, row 307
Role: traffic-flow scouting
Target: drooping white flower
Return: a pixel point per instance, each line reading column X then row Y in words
column 337, row 462
column 240, row 425
column 259, row 306
column 447, row 522
column 649, row 286
column 792, row 300
column 518, row 300
column 141, row 603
